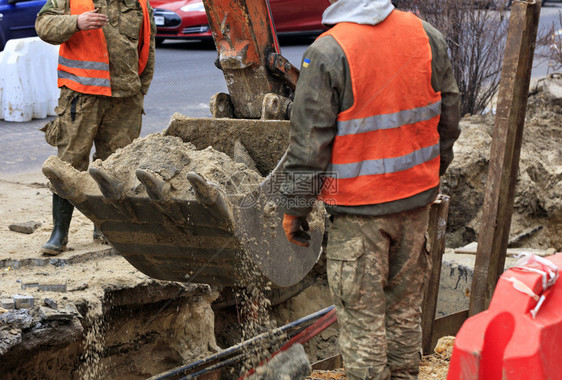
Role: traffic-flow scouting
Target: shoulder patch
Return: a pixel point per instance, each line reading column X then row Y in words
column 306, row 62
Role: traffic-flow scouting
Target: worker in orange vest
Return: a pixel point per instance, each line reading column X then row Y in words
column 106, row 64
column 374, row 120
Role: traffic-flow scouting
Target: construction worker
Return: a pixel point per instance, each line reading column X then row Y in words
column 106, row 64
column 374, row 120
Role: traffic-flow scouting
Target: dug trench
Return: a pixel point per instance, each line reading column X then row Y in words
column 113, row 322
column 117, row 321
column 95, row 316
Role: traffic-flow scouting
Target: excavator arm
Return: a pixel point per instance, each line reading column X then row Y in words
column 257, row 76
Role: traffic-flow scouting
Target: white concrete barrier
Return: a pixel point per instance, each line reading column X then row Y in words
column 28, row 80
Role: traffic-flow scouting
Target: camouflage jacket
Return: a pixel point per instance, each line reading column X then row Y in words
column 324, row 90
column 56, row 25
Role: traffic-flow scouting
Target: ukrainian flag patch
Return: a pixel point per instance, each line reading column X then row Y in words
column 306, row 62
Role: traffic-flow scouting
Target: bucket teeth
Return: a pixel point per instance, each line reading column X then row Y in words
column 62, row 177
column 159, row 191
column 156, row 188
column 58, row 182
column 109, row 186
column 210, row 195
column 206, row 192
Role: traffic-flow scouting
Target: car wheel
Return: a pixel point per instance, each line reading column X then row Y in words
column 159, row 41
column 208, row 43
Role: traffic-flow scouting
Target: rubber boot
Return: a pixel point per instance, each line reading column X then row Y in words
column 62, row 215
column 99, row 236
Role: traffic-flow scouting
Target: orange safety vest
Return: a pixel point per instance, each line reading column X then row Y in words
column 387, row 143
column 84, row 60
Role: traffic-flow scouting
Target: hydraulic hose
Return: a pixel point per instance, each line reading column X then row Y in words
column 305, row 335
column 225, row 354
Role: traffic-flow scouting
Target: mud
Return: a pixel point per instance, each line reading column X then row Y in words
column 171, row 159
column 264, row 141
column 538, row 193
column 115, row 322
column 112, row 322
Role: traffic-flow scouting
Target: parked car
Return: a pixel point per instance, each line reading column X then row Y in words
column 186, row 19
column 17, row 19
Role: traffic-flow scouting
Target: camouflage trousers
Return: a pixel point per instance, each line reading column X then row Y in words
column 84, row 120
column 377, row 270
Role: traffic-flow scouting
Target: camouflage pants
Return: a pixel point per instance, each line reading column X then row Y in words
column 377, row 270
column 84, row 120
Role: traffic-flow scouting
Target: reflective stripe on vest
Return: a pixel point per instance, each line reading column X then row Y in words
column 387, row 144
column 84, row 59
column 386, row 165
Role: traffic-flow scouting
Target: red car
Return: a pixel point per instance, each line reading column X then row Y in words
column 186, row 19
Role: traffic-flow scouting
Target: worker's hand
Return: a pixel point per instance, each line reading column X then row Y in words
column 91, row 20
column 295, row 227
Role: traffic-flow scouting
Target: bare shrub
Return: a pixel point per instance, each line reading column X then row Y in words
column 475, row 31
column 549, row 46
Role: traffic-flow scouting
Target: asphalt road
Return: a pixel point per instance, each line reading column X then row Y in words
column 184, row 81
column 186, row 77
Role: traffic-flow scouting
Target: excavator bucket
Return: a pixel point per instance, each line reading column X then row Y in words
column 175, row 219
column 172, row 223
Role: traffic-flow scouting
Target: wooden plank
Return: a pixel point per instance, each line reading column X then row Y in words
column 505, row 152
column 331, row 363
column 448, row 325
column 437, row 227
column 470, row 249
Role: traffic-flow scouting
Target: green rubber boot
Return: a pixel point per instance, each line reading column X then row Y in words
column 62, row 215
column 99, row 236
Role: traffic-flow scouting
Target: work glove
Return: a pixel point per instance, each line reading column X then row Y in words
column 295, row 227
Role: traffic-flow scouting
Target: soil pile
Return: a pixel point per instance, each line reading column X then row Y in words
column 537, row 216
column 171, row 159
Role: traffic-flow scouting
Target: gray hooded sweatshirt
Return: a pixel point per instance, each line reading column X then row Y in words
column 370, row 12
column 324, row 90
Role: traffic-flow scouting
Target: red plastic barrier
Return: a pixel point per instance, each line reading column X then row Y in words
column 505, row 342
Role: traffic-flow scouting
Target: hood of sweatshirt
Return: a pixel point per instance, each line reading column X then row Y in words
column 369, row 12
